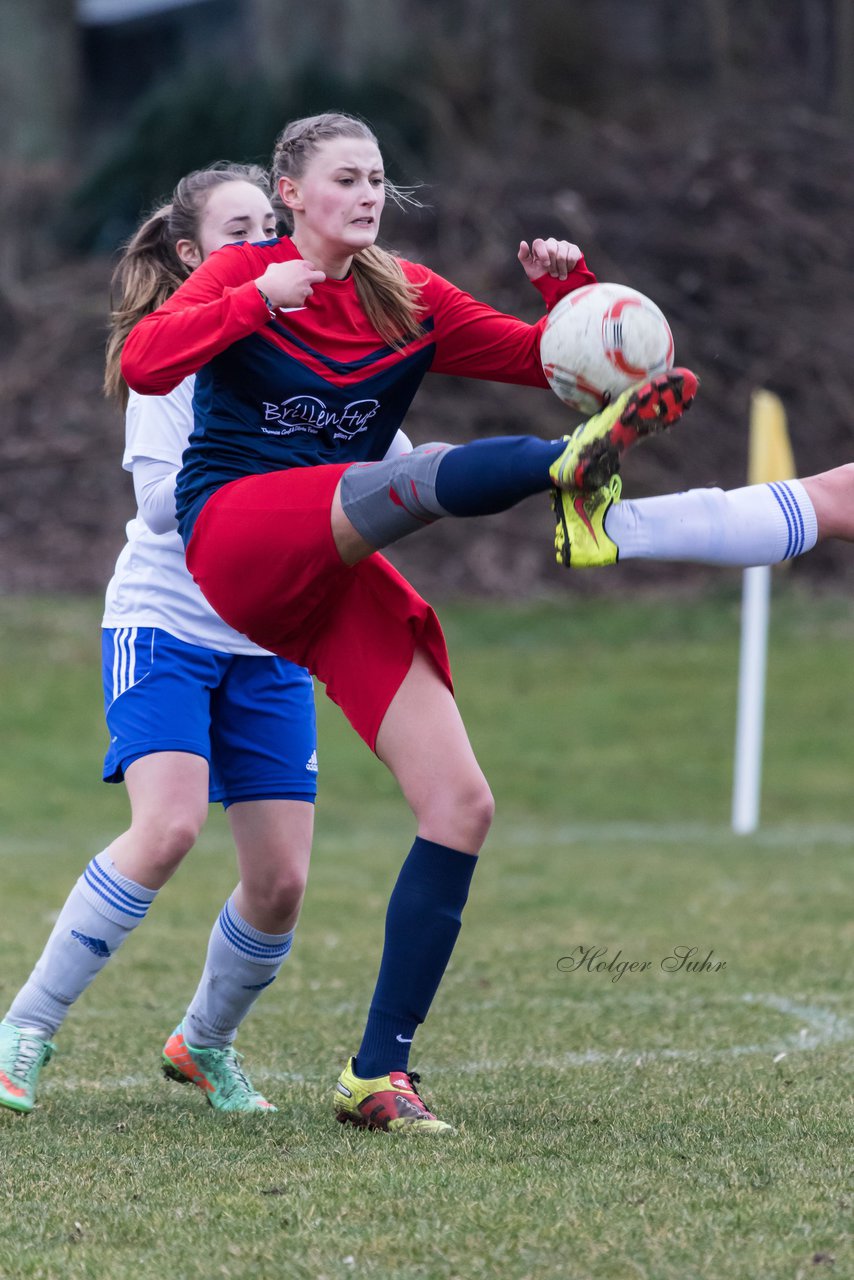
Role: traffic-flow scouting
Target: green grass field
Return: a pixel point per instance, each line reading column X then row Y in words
column 687, row 1125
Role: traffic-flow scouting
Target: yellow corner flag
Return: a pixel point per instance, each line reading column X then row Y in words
column 770, row 451
column 769, row 459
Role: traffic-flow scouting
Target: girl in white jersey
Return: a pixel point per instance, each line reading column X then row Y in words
column 194, row 711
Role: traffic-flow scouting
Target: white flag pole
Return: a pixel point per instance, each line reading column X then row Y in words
column 770, row 458
column 755, row 609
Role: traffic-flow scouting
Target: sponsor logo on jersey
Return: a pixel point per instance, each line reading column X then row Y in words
column 311, row 763
column 310, row 414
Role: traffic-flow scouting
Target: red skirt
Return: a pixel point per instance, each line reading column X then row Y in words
column 263, row 554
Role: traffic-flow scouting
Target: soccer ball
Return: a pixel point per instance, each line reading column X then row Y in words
column 601, row 339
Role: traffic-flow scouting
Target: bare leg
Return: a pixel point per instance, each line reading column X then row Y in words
column 168, row 793
column 832, row 495
column 423, row 741
column 273, row 839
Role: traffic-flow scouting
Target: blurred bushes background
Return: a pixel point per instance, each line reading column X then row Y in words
column 701, row 153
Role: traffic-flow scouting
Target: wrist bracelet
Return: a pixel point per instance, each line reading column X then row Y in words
column 267, row 303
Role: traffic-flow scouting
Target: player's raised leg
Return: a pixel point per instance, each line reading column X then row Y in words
column 378, row 503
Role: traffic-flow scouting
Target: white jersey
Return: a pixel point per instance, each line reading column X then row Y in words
column 151, row 585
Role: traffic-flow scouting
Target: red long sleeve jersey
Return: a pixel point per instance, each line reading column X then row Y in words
column 314, row 385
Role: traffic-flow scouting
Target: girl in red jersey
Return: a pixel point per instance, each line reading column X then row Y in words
column 308, row 353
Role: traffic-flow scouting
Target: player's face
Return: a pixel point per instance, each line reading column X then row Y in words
column 234, row 211
column 338, row 200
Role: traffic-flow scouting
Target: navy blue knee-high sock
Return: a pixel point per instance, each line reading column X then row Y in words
column 487, row 476
column 422, row 923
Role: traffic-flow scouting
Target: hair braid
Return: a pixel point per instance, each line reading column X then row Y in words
column 390, row 301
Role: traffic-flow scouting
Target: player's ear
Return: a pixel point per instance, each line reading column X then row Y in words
column 189, row 253
column 289, row 193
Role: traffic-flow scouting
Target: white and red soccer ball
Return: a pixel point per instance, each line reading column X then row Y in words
column 601, row 339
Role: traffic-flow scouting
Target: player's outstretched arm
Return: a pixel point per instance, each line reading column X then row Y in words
column 473, row 340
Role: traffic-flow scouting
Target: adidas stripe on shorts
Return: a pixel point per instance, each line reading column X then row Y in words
column 251, row 718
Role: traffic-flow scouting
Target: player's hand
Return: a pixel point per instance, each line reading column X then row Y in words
column 548, row 257
column 288, row 284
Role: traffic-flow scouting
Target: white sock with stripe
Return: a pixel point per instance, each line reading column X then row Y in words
column 241, row 962
column 759, row 524
column 102, row 909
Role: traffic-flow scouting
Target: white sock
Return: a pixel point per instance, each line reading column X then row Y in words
column 102, row 909
column 241, row 961
column 760, row 524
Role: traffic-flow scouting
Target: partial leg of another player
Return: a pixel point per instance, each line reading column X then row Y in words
column 757, row 524
column 832, row 496
column 248, row 945
column 168, row 792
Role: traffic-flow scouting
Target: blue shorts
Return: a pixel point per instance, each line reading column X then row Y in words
column 251, row 718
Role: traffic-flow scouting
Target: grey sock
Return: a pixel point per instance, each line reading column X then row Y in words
column 384, row 501
column 102, row 909
column 240, row 963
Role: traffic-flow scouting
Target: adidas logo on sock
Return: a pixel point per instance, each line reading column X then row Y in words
column 311, row 763
column 97, row 946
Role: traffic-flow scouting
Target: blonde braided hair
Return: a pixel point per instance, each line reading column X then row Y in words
column 390, row 301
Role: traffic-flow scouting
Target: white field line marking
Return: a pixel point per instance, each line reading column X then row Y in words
column 72, row 1084
column 598, row 833
column 531, row 833
column 819, row 1028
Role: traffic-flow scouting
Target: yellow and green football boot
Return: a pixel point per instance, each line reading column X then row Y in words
column 580, row 538
column 391, row 1103
column 594, row 449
